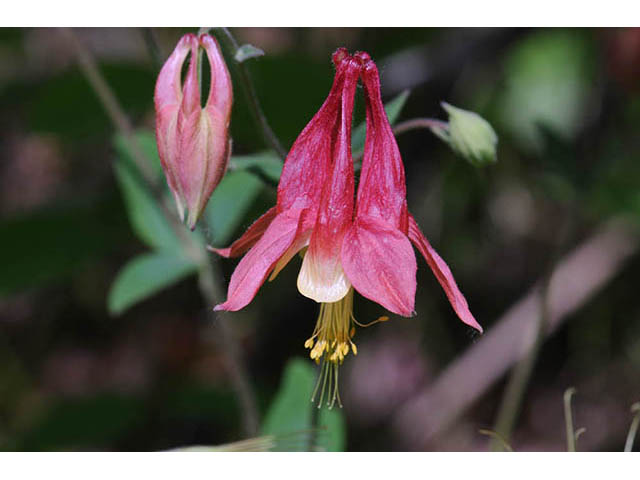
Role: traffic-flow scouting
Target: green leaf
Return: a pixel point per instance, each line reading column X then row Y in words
column 393, row 109
column 230, row 202
column 145, row 215
column 290, row 411
column 266, row 165
column 247, row 51
column 144, row 276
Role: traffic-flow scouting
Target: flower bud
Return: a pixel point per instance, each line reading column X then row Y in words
column 193, row 141
column 471, row 136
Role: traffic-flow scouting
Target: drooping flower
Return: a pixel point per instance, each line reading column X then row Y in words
column 193, row 141
column 366, row 248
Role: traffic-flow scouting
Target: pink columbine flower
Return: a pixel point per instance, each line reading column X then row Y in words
column 366, row 248
column 193, row 141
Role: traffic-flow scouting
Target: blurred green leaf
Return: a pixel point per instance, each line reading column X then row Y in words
column 88, row 423
column 229, row 204
column 145, row 215
column 264, row 164
column 48, row 104
column 54, row 243
column 548, row 79
column 393, row 109
column 290, row 411
column 144, row 276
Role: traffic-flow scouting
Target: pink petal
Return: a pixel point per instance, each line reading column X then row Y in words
column 167, row 99
column 380, row 264
column 254, row 267
column 221, row 90
column 249, row 238
column 443, row 274
column 382, row 190
column 307, row 165
column 321, row 277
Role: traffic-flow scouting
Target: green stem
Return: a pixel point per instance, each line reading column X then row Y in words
column 250, row 92
column 209, row 286
column 568, row 419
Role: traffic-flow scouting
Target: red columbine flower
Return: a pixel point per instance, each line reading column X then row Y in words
column 369, row 251
column 193, row 141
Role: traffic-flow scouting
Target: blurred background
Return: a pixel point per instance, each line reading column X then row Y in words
column 543, row 244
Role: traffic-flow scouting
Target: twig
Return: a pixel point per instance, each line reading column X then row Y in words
column 209, row 287
column 250, row 92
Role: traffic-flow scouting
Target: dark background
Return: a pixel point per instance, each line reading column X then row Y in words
column 566, row 107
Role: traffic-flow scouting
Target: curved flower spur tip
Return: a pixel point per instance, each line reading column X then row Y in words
column 256, row 265
column 442, row 272
column 339, row 55
column 221, row 91
column 193, row 142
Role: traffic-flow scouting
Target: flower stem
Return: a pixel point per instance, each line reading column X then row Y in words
column 209, row 286
column 433, row 124
column 250, row 92
column 633, row 429
column 568, row 419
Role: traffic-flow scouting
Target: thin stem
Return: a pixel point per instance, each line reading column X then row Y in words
column 209, row 287
column 517, row 385
column 633, row 429
column 514, row 392
column 211, row 291
column 250, row 92
column 109, row 102
column 568, row 419
column 152, row 45
column 432, row 124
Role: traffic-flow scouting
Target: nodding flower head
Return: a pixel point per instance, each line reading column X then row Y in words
column 349, row 242
column 193, row 141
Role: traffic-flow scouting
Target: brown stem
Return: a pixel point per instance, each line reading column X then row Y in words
column 209, row 286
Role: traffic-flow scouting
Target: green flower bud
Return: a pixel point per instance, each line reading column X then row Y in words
column 471, row 136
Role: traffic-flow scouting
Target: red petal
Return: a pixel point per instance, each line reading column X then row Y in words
column 249, row 238
column 321, row 276
column 380, row 264
column 382, row 191
column 307, row 165
column 443, row 274
column 254, row 267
